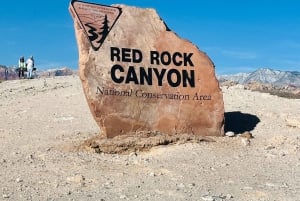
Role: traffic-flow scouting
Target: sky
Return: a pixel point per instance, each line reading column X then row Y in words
column 238, row 36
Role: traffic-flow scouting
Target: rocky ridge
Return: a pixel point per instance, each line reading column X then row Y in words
column 281, row 83
column 265, row 76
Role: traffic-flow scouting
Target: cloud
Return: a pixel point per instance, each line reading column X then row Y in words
column 239, row 54
column 235, row 69
column 290, row 44
column 236, row 54
column 285, row 63
column 291, row 62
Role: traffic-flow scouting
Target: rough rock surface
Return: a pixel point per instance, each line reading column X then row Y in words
column 197, row 109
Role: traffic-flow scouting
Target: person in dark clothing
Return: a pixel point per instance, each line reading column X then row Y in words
column 22, row 66
column 6, row 73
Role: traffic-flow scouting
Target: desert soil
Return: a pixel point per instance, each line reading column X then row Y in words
column 43, row 120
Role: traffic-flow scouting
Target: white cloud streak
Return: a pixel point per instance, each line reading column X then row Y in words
column 239, row 54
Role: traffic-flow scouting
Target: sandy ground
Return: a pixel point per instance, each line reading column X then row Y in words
column 42, row 120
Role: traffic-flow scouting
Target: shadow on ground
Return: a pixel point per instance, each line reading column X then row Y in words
column 238, row 122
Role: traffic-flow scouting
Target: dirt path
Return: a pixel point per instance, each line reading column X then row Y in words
column 43, row 119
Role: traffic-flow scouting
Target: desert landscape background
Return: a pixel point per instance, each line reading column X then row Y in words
column 45, row 121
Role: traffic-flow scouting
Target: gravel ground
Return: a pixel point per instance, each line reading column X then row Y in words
column 43, row 120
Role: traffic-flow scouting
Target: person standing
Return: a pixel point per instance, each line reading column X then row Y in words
column 29, row 65
column 21, row 66
column 6, row 73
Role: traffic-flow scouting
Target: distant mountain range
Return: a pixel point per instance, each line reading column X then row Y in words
column 262, row 75
column 265, row 76
column 13, row 72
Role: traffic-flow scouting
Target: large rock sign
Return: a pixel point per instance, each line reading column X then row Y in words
column 138, row 75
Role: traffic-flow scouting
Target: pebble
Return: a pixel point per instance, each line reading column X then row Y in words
column 270, row 185
column 284, row 185
column 282, row 154
column 269, row 147
column 133, row 154
column 5, row 196
column 247, row 188
column 191, row 185
column 216, row 198
column 181, row 185
column 152, row 174
column 79, row 179
column 245, row 141
column 229, row 196
column 230, row 134
column 208, row 198
column 246, row 134
column 224, row 164
column 18, row 180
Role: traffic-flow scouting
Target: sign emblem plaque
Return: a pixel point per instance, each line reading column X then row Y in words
column 95, row 19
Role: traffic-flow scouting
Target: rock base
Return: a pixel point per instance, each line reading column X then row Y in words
column 137, row 142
